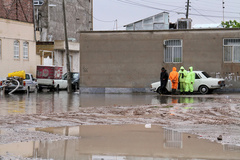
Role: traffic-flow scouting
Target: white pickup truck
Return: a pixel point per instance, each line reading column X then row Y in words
column 26, row 83
column 50, row 77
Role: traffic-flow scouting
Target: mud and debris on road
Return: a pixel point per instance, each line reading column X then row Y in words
column 208, row 120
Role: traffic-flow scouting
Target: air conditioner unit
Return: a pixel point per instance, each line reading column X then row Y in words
column 184, row 23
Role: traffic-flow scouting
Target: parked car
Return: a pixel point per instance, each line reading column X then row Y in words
column 74, row 80
column 60, row 84
column 204, row 83
column 19, row 81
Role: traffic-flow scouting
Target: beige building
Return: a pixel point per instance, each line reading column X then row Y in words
column 60, row 55
column 129, row 61
column 17, row 47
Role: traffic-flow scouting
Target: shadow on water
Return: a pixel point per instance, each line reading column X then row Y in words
column 124, row 142
column 52, row 102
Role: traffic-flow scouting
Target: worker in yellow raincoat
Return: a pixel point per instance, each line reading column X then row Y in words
column 190, row 79
column 182, row 77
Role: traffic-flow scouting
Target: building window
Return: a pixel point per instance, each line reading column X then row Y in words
column 173, row 51
column 231, row 50
column 38, row 2
column 16, row 49
column 25, row 50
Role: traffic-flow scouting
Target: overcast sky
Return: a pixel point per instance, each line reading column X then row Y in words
column 111, row 13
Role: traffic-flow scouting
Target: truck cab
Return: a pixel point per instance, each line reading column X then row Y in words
column 28, row 83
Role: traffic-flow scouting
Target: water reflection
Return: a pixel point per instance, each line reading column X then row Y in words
column 49, row 102
column 45, row 102
column 129, row 142
column 180, row 99
column 172, row 139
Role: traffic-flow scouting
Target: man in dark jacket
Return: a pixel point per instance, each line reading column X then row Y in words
column 163, row 80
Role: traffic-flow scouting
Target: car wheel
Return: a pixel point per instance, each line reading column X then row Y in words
column 203, row 89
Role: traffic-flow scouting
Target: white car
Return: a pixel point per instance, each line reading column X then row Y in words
column 60, row 84
column 203, row 83
column 63, row 83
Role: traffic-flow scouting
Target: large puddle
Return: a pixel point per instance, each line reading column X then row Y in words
column 49, row 102
column 122, row 142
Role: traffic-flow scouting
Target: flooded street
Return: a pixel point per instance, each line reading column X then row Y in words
column 66, row 126
column 53, row 102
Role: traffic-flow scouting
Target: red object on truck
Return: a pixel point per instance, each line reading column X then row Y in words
column 49, row 72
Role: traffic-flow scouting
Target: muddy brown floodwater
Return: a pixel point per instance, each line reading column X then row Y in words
column 53, row 102
column 119, row 126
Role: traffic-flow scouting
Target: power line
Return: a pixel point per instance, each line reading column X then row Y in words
column 161, row 4
column 203, row 15
column 103, row 20
column 94, row 16
column 156, row 8
column 142, row 5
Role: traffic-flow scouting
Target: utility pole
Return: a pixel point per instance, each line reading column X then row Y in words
column 67, row 50
column 187, row 13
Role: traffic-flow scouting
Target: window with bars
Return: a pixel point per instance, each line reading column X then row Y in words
column 25, row 50
column 16, row 49
column 173, row 51
column 231, row 50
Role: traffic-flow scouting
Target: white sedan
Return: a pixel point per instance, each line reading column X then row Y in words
column 203, row 83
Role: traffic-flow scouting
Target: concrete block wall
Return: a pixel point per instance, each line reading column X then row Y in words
column 49, row 19
column 134, row 59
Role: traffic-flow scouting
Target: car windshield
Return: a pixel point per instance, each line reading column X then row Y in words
column 73, row 76
column 206, row 74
